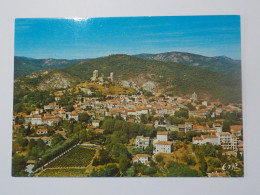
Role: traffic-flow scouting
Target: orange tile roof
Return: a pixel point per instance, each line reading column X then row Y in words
column 142, row 155
column 163, row 143
column 197, row 138
column 74, row 114
column 162, row 133
column 236, row 127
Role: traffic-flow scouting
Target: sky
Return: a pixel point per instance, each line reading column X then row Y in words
column 78, row 38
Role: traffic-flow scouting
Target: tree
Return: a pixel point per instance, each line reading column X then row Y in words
column 83, row 135
column 21, row 141
column 143, row 118
column 18, row 165
column 176, row 169
column 124, row 163
column 57, row 138
column 18, row 107
column 190, row 106
column 83, row 117
column 159, row 158
column 182, row 113
column 130, row 172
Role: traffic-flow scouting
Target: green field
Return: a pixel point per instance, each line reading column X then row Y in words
column 78, row 157
column 71, row 172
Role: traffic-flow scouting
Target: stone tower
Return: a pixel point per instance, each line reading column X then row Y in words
column 194, row 97
column 111, row 76
column 95, row 75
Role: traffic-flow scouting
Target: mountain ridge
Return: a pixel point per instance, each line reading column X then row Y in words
column 221, row 64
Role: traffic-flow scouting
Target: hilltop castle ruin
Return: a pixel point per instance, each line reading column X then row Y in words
column 100, row 80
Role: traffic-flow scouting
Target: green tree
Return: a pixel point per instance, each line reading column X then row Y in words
column 18, row 166
column 124, row 163
column 83, row 117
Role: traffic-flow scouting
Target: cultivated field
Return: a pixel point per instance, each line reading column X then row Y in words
column 56, row 172
column 78, row 157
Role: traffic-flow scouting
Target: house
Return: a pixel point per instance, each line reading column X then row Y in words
column 217, row 126
column 181, row 127
column 57, row 98
column 96, row 123
column 217, row 174
column 188, row 126
column 74, row 116
column 236, row 130
column 161, row 143
column 41, row 131
column 162, row 136
column 142, row 158
column 36, row 120
column 162, row 147
column 227, row 141
column 197, row 140
column 212, row 139
column 142, row 142
column 47, row 140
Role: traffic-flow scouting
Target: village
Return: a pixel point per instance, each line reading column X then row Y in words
column 168, row 116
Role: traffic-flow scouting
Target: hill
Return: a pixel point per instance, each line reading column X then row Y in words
column 24, row 66
column 168, row 77
column 221, row 64
column 44, row 80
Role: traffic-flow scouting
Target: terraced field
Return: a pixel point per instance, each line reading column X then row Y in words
column 70, row 172
column 78, row 157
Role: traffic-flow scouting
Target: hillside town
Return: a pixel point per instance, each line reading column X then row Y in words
column 175, row 123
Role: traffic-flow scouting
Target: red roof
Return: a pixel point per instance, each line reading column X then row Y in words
column 162, row 132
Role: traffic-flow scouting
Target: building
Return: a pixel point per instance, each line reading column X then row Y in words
column 36, row 120
column 197, row 140
column 142, row 142
column 141, row 158
column 227, row 141
column 212, row 139
column 194, row 97
column 188, row 126
column 161, row 143
column 217, row 126
column 41, row 131
column 47, row 140
column 236, row 130
column 217, row 174
column 74, row 116
column 162, row 136
column 162, row 147
column 96, row 123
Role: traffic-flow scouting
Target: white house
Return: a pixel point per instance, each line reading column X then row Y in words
column 213, row 139
column 142, row 158
column 36, row 120
column 162, row 136
column 163, row 147
column 227, row 141
column 96, row 123
column 197, row 140
column 142, row 142
column 218, row 127
column 161, row 143
column 188, row 126
column 74, row 116
column 41, row 131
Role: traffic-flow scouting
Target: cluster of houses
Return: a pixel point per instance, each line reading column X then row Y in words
column 130, row 108
column 161, row 145
column 229, row 141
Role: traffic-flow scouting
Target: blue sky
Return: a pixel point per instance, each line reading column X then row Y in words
column 95, row 37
